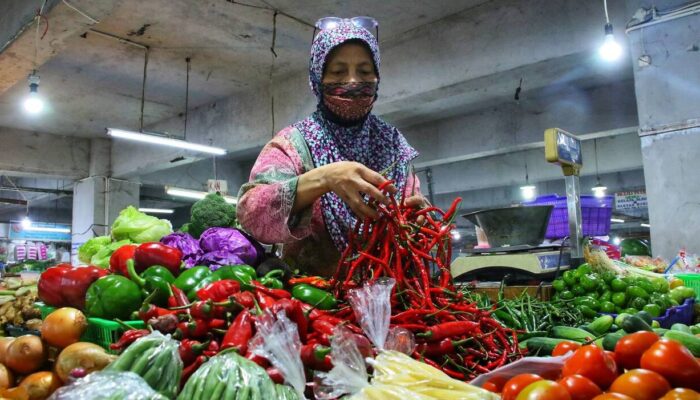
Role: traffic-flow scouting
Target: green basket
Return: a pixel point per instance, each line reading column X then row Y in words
column 99, row 331
column 691, row 281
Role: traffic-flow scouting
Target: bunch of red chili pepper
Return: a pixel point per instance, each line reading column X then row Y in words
column 413, row 246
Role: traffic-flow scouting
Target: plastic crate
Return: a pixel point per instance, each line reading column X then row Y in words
column 595, row 215
column 691, row 281
column 99, row 331
column 682, row 314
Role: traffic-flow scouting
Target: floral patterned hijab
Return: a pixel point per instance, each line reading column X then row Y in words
column 374, row 143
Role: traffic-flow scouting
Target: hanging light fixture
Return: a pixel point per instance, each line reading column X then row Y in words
column 528, row 191
column 33, row 104
column 598, row 189
column 610, row 50
column 194, row 194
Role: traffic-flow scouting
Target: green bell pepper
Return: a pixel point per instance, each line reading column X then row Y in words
column 160, row 272
column 272, row 279
column 240, row 273
column 191, row 277
column 112, row 296
column 154, row 286
column 314, row 296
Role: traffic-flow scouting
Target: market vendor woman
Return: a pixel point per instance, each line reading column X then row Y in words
column 311, row 182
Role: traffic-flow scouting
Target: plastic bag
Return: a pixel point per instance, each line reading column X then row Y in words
column 227, row 246
column 349, row 373
column 138, row 227
column 107, row 385
column 372, row 306
column 228, row 375
column 156, row 359
column 545, row 366
column 91, row 246
column 277, row 339
column 188, row 245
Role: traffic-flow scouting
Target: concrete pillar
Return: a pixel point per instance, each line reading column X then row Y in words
column 666, row 58
column 98, row 199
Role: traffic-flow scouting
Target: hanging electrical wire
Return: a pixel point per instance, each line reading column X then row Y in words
column 187, row 94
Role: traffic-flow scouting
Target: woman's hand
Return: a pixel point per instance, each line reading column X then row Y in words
column 349, row 180
column 417, row 201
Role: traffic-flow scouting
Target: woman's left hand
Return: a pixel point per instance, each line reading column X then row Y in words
column 417, row 201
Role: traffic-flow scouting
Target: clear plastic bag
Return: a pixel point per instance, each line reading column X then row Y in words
column 228, row 375
column 156, row 359
column 545, row 366
column 349, row 373
column 105, row 385
column 277, row 339
column 372, row 307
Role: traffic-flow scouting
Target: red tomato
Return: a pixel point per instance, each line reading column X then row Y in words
column 580, row 387
column 612, row 356
column 641, row 384
column 544, row 390
column 516, row 384
column 674, row 362
column 495, row 384
column 612, row 396
column 629, row 349
column 681, row 394
column 592, row 362
column 565, row 347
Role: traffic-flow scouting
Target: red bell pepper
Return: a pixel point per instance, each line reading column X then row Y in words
column 154, row 253
column 65, row 286
column 117, row 262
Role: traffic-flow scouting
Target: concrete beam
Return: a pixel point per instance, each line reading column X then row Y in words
column 19, row 50
column 40, row 154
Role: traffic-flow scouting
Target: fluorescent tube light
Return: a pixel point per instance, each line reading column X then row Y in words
column 645, row 225
column 194, row 194
column 617, row 220
column 164, row 141
column 157, row 210
column 45, row 229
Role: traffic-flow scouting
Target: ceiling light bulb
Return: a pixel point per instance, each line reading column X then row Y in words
column 528, row 192
column 33, row 104
column 26, row 223
column 616, row 241
column 599, row 191
column 456, row 235
column 610, row 50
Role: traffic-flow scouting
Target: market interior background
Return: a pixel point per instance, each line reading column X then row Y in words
column 450, row 71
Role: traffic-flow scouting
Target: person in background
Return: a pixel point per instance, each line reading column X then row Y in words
column 311, row 182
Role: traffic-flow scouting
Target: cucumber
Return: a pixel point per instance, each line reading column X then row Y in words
column 634, row 323
column 542, row 346
column 528, row 335
column 570, row 333
column 681, row 328
column 610, row 340
column 660, row 331
column 686, row 339
column 695, row 329
column 601, row 325
column 621, row 317
column 614, row 328
column 645, row 316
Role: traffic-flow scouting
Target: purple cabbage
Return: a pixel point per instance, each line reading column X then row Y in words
column 228, row 246
column 189, row 246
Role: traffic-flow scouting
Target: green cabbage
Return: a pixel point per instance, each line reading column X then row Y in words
column 101, row 258
column 138, row 227
column 91, row 247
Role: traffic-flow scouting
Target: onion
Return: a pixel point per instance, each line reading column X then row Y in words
column 90, row 357
column 7, row 380
column 40, row 385
column 4, row 344
column 25, row 354
column 63, row 327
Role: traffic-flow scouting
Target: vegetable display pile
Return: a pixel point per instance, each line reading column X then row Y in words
column 453, row 334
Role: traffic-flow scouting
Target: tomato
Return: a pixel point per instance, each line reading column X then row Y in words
column 495, row 384
column 641, row 384
column 613, row 357
column 580, row 387
column 592, row 362
column 674, row 362
column 630, row 348
column 612, row 396
column 516, row 384
column 565, row 347
column 544, row 390
column 681, row 394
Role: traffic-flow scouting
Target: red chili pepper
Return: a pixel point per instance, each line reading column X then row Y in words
column 264, row 301
column 448, row 330
column 129, row 337
column 219, row 290
column 274, row 293
column 323, row 326
column 212, row 349
column 316, row 356
column 190, row 369
column 292, row 308
column 154, row 253
column 315, row 281
column 206, row 310
column 217, row 323
column 189, row 349
column 118, row 259
column 239, row 333
column 246, row 299
column 443, row 347
column 260, row 360
column 178, row 299
column 275, row 375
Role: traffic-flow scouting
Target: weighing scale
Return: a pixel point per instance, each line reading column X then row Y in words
column 525, row 263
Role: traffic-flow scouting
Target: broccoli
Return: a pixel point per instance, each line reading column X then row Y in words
column 211, row 211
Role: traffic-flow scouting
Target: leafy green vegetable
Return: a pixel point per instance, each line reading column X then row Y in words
column 138, row 227
column 101, row 258
column 88, row 249
column 211, row 211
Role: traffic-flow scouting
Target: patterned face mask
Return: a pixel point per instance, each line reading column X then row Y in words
column 350, row 101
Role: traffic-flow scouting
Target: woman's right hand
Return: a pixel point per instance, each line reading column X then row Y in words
column 349, row 180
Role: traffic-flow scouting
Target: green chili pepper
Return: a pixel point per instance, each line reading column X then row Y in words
column 240, row 273
column 314, row 296
column 190, row 278
column 272, row 283
column 155, row 286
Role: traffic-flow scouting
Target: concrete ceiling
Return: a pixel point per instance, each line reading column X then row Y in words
column 95, row 82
